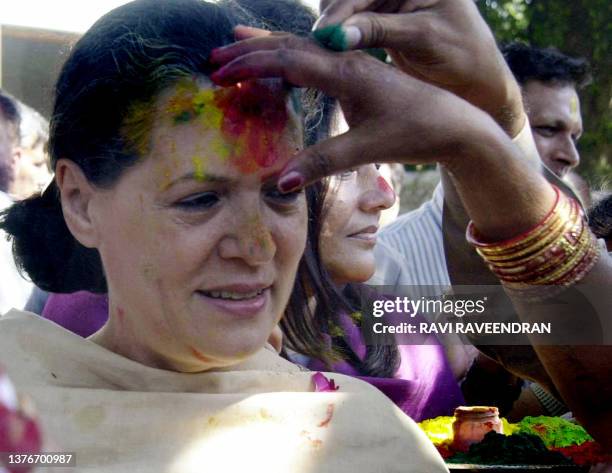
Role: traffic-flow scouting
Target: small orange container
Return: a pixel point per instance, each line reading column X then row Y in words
column 472, row 423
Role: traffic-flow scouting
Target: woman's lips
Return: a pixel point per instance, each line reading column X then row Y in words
column 367, row 234
column 249, row 306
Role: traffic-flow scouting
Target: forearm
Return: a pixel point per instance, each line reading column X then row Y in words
column 582, row 374
column 505, row 202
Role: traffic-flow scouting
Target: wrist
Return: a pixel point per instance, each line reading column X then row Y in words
column 510, row 115
column 502, row 193
column 505, row 104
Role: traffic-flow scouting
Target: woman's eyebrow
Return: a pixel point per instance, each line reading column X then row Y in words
column 200, row 177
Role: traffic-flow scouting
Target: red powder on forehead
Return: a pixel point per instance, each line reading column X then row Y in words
column 384, row 186
column 254, row 117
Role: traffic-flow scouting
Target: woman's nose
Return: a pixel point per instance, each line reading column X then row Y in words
column 379, row 195
column 251, row 241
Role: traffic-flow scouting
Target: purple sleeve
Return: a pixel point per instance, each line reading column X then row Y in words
column 83, row 313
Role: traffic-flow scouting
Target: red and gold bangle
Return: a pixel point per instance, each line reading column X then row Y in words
column 558, row 225
column 519, row 241
column 559, row 251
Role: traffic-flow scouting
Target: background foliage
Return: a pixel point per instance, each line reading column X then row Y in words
column 578, row 28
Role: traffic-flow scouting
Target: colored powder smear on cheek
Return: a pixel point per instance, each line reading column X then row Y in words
column 384, row 186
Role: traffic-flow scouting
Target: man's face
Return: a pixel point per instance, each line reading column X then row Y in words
column 556, row 122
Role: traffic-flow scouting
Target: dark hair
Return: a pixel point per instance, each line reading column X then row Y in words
column 303, row 329
column 546, row 65
column 600, row 218
column 125, row 59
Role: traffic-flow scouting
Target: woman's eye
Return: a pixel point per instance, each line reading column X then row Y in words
column 198, row 202
column 346, row 174
column 277, row 196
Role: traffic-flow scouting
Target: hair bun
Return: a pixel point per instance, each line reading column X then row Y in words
column 44, row 248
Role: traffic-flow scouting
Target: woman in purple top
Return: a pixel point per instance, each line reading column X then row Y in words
column 415, row 375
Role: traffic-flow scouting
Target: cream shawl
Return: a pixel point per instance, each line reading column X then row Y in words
column 120, row 416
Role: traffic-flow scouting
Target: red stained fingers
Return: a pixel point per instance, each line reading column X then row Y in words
column 299, row 68
column 259, row 42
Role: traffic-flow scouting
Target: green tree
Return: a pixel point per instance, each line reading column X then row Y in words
column 578, row 28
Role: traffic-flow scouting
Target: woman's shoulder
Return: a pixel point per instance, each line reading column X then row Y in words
column 34, row 350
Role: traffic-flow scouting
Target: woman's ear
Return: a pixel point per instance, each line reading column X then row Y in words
column 76, row 194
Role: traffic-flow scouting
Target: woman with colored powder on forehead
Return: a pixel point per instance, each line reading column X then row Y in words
column 165, row 197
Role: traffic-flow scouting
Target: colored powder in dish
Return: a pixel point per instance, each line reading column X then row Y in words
column 444, row 450
column 509, row 428
column 439, row 429
column 587, row 453
column 517, row 449
column 554, row 431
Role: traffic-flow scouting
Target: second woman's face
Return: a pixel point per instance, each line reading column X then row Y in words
column 199, row 248
column 353, row 206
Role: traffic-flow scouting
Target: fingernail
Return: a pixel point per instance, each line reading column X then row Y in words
column 214, row 55
column 220, row 78
column 216, row 78
column 331, row 37
column 352, row 36
column 291, row 181
column 338, row 37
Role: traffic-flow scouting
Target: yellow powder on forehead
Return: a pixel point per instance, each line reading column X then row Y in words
column 167, row 180
column 220, row 147
column 198, row 168
column 137, row 126
column 574, row 105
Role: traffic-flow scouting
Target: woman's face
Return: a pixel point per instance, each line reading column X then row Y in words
column 353, row 206
column 199, row 248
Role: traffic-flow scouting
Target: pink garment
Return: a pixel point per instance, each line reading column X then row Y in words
column 83, row 313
